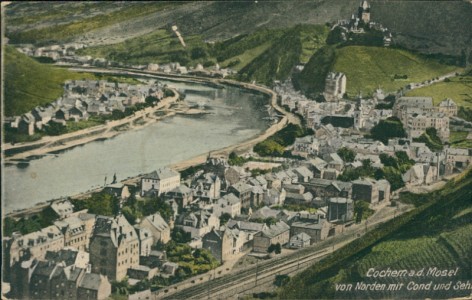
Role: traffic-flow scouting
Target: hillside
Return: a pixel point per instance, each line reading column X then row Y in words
column 264, row 55
column 367, row 68
column 429, row 26
column 29, row 83
column 458, row 89
column 438, row 233
column 276, row 63
column 312, row 79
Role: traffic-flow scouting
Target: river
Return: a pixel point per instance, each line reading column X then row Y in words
column 236, row 116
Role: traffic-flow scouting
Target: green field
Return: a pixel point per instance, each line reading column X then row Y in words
column 29, row 83
column 438, row 233
column 458, row 89
column 367, row 68
column 458, row 139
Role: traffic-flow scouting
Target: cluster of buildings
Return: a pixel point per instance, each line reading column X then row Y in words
column 176, row 68
column 347, row 121
column 84, row 98
column 65, row 54
column 78, row 256
column 223, row 209
column 418, row 113
column 362, row 115
column 247, row 202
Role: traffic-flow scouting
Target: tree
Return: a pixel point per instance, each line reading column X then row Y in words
column 224, row 218
column 362, row 208
column 403, row 159
column 336, row 36
column 387, row 129
column 276, row 248
column 269, row 148
column 54, row 128
column 270, row 221
column 117, row 114
column 198, row 52
column 150, row 100
column 157, row 205
column 180, row 236
column 168, row 93
column 235, row 160
column 47, row 217
column 99, row 203
column 394, row 177
column 388, row 160
column 346, row 154
column 129, row 215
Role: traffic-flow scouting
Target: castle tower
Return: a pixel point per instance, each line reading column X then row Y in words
column 364, row 12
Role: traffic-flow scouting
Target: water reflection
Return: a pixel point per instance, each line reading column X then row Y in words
column 237, row 115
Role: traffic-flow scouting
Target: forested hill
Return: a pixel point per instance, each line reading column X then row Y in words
column 437, row 234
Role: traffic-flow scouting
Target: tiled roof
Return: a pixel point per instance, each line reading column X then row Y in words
column 276, row 229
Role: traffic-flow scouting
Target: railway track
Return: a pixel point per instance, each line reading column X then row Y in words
column 248, row 278
column 239, row 281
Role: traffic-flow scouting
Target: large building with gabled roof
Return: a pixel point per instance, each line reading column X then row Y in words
column 161, row 181
column 114, row 247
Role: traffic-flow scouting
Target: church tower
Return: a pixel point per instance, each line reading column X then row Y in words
column 364, row 12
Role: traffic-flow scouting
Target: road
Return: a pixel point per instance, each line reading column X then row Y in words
column 226, row 286
column 417, row 85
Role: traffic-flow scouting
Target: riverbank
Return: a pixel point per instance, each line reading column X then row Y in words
column 181, row 163
column 52, row 144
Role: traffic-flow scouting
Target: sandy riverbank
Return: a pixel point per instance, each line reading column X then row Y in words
column 51, row 144
column 199, row 159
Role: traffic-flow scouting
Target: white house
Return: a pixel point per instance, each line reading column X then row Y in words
column 160, row 181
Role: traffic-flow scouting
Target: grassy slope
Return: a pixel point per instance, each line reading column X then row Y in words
column 458, row 89
column 264, row 55
column 436, row 234
column 367, row 68
column 458, row 139
column 312, row 79
column 295, row 46
column 162, row 46
column 159, row 46
column 65, row 32
column 51, row 12
column 29, row 83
